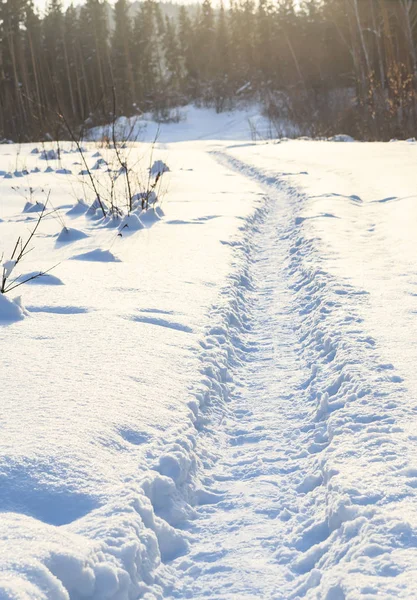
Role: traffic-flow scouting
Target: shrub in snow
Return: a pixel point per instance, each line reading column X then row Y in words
column 144, row 199
column 20, row 250
column 112, row 218
column 97, row 205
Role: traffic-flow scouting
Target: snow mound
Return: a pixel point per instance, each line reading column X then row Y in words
column 68, row 234
column 48, row 155
column 31, row 207
column 11, row 310
column 40, row 279
column 131, row 223
column 97, row 256
column 149, row 217
column 95, row 206
column 111, row 220
column 78, row 209
column 159, row 167
column 100, row 162
column 63, row 172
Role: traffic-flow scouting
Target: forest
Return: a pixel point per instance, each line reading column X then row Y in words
column 325, row 65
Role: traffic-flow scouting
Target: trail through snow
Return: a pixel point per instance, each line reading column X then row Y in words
column 217, row 399
column 309, row 467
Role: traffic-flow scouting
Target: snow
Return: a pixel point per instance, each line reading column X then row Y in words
column 220, row 403
column 39, row 278
column 159, row 167
column 30, row 207
column 69, row 234
column 98, row 255
column 10, row 310
column 8, row 267
column 130, row 223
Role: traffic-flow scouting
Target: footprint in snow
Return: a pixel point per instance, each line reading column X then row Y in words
column 134, row 437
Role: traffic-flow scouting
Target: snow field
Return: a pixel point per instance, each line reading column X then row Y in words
column 218, row 403
column 99, row 378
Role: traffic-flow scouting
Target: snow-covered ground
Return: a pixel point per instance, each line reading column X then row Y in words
column 218, row 401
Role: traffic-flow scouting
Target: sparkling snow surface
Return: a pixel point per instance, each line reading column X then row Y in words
column 221, row 401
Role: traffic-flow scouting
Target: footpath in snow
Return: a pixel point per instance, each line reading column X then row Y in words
column 220, row 403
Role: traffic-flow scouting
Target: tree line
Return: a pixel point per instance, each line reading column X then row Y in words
column 325, row 65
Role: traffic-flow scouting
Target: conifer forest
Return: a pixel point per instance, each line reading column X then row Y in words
column 325, row 65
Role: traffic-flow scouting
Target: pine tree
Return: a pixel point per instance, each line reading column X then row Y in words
column 204, row 47
column 33, row 54
column 174, row 75
column 14, row 84
column 145, row 55
column 187, row 55
column 95, row 50
column 121, row 59
column 222, row 66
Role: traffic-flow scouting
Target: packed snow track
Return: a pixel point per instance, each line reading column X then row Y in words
column 221, row 402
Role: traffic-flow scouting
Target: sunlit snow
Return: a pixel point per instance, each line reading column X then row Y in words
column 215, row 397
